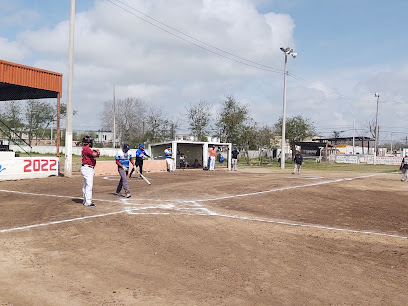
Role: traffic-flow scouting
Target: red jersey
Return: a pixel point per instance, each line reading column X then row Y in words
column 87, row 157
column 213, row 153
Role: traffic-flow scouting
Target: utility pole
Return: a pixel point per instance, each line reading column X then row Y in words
column 70, row 114
column 377, row 95
column 114, row 118
column 354, row 130
column 287, row 51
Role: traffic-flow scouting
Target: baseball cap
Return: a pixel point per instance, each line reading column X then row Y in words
column 141, row 145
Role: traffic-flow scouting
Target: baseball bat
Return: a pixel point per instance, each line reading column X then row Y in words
column 143, row 177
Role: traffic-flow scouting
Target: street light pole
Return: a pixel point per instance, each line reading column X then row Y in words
column 377, row 95
column 70, row 114
column 287, row 51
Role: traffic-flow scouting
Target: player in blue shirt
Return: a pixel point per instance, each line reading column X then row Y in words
column 123, row 157
column 140, row 154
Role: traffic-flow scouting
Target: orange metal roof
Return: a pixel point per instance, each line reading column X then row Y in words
column 19, row 82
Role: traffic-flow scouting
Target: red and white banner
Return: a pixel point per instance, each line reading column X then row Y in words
column 28, row 167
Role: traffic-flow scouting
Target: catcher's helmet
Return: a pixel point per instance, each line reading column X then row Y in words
column 126, row 147
column 88, row 139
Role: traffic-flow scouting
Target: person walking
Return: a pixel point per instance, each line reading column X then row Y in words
column 123, row 157
column 140, row 155
column 213, row 154
column 87, row 170
column 404, row 168
column 169, row 159
column 234, row 161
column 298, row 162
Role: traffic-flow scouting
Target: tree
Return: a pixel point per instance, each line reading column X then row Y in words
column 158, row 128
column 265, row 137
column 247, row 137
column 130, row 113
column 37, row 115
column 10, row 117
column 297, row 130
column 199, row 116
column 232, row 119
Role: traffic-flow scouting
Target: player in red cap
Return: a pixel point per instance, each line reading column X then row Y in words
column 87, row 169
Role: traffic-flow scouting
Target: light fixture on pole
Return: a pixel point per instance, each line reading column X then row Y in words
column 287, row 51
column 377, row 95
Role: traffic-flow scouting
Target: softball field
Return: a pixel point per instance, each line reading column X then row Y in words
column 194, row 237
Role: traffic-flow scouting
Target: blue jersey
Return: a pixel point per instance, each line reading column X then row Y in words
column 124, row 158
column 140, row 154
column 168, row 153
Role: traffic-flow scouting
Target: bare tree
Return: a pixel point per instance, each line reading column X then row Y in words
column 10, row 116
column 130, row 113
column 199, row 116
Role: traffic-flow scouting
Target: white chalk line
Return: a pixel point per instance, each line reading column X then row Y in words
column 59, row 222
column 200, row 210
column 287, row 188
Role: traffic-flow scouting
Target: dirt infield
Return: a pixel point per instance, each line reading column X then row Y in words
column 206, row 238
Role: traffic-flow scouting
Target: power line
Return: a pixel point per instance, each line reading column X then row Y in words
column 228, row 56
column 225, row 54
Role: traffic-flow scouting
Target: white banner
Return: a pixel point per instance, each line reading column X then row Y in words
column 28, row 167
column 347, row 159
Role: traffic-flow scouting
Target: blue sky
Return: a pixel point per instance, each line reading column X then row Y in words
column 351, row 47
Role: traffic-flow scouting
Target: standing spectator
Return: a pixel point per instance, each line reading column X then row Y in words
column 404, row 168
column 213, row 154
column 298, row 162
column 87, row 169
column 140, row 155
column 169, row 159
column 123, row 157
column 234, row 161
column 279, row 158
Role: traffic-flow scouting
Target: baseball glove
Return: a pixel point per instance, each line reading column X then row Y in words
column 98, row 152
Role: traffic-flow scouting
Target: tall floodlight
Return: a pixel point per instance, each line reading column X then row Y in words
column 68, row 131
column 377, row 95
column 287, row 51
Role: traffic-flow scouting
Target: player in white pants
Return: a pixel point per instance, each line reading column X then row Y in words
column 169, row 159
column 213, row 154
column 87, row 169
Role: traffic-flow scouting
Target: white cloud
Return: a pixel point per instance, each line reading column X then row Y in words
column 113, row 46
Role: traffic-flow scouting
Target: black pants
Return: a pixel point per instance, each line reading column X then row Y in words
column 138, row 163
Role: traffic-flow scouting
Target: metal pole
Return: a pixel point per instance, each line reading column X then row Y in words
column 114, row 118
column 376, row 129
column 58, row 124
column 391, row 143
column 283, row 155
column 354, row 130
column 68, row 131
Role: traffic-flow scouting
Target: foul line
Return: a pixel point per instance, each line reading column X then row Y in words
column 290, row 187
column 205, row 211
column 59, row 222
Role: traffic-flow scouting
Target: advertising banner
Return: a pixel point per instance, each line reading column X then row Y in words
column 28, row 167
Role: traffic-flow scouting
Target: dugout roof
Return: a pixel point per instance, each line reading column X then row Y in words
column 19, row 82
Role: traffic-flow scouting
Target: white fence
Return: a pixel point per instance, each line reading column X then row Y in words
column 368, row 159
